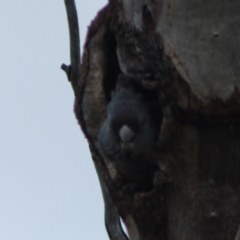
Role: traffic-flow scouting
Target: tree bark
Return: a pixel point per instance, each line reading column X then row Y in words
column 188, row 51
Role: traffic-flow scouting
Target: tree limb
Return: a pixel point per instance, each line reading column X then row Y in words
column 73, row 70
column 112, row 220
column 238, row 235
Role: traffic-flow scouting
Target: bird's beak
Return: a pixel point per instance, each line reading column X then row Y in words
column 126, row 134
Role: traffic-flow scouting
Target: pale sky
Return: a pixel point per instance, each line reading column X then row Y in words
column 48, row 184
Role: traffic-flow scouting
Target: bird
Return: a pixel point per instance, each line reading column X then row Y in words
column 129, row 134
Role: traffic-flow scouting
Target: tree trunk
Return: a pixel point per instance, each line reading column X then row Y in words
column 188, row 50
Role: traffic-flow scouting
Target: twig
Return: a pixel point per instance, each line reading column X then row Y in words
column 112, row 220
column 237, row 237
column 73, row 70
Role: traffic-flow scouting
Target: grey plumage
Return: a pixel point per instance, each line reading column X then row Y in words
column 129, row 134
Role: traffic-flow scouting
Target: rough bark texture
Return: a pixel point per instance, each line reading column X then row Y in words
column 189, row 52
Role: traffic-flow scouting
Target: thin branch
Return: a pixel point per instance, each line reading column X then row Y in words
column 73, row 70
column 238, row 234
column 112, row 220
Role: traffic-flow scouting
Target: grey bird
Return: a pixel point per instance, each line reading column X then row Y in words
column 130, row 132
